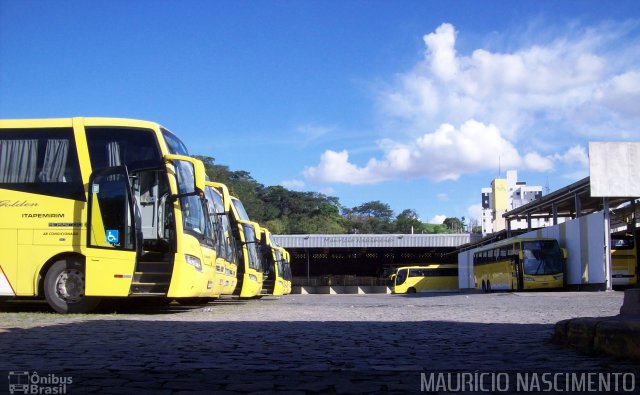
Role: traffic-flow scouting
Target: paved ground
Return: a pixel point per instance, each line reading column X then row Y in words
column 303, row 344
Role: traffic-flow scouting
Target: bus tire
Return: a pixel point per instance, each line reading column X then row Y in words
column 488, row 287
column 64, row 287
column 484, row 287
column 411, row 290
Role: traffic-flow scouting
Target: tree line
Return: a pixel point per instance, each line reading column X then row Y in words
column 284, row 211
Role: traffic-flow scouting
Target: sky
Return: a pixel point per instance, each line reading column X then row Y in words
column 417, row 104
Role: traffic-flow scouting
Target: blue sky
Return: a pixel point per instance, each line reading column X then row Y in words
column 417, row 104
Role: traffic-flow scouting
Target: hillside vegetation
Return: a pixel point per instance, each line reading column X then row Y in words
column 284, row 211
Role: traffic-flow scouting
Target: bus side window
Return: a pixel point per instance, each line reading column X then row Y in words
column 41, row 161
column 19, row 160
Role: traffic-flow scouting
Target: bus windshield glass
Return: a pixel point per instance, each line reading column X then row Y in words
column 250, row 240
column 240, row 209
column 401, row 276
column 195, row 218
column 542, row 257
column 174, row 144
column 622, row 242
column 114, row 146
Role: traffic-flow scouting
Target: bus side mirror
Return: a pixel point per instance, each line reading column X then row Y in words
column 564, row 253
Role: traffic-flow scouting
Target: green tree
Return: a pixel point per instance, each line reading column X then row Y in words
column 408, row 222
column 454, row 225
column 435, row 228
column 369, row 217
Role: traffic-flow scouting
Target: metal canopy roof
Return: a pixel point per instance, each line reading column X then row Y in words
column 372, row 240
column 569, row 202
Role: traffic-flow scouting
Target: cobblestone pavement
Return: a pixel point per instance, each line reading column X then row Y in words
column 301, row 344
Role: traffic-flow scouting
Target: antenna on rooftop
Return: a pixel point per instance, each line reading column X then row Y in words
column 546, row 187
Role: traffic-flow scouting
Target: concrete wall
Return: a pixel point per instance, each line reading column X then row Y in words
column 584, row 240
column 341, row 289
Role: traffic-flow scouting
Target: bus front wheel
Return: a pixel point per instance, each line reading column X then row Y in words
column 411, row 290
column 64, row 287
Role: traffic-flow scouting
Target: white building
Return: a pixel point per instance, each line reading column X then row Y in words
column 506, row 194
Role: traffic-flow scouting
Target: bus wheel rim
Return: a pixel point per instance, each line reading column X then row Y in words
column 70, row 285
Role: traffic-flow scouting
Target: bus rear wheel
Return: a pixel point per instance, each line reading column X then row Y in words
column 64, row 287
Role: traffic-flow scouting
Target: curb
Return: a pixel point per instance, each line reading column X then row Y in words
column 617, row 336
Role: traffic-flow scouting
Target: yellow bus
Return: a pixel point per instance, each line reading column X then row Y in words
column 227, row 256
column 250, row 270
column 624, row 259
column 247, row 233
column 239, row 209
column 426, row 278
column 274, row 282
column 101, row 207
column 286, row 270
column 519, row 264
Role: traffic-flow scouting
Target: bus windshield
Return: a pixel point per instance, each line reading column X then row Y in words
column 401, row 276
column 622, row 242
column 542, row 257
column 174, row 144
column 240, row 209
column 250, row 240
column 194, row 216
column 112, row 146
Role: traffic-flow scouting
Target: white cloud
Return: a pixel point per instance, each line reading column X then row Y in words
column 296, row 185
column 621, row 94
column 437, row 219
column 335, row 167
column 443, row 197
column 574, row 155
column 475, row 212
column 445, row 154
column 521, row 109
column 441, row 49
column 576, row 82
column 310, row 133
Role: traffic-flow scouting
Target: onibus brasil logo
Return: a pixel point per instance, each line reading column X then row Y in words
column 32, row 383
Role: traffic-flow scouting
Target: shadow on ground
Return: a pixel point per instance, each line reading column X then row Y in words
column 118, row 306
column 169, row 356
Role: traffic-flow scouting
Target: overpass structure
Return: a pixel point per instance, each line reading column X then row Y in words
column 361, row 263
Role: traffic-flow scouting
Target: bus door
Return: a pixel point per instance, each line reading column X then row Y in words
column 517, row 272
column 112, row 233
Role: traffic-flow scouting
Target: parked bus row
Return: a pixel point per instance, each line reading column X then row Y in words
column 517, row 264
column 513, row 264
column 103, row 207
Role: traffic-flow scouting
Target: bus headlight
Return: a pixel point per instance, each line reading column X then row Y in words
column 252, row 277
column 558, row 277
column 529, row 279
column 193, row 261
